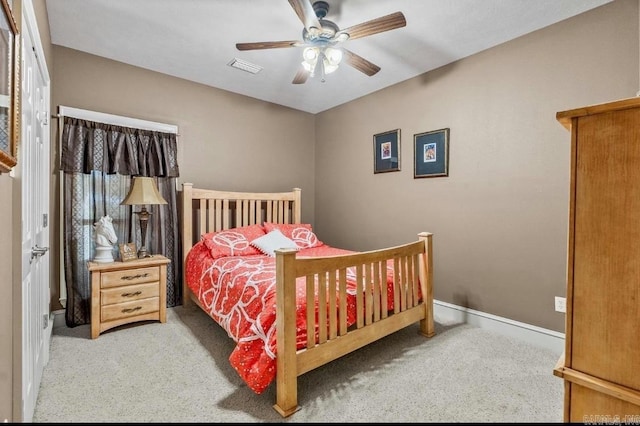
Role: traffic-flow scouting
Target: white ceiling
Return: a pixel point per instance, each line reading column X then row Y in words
column 195, row 39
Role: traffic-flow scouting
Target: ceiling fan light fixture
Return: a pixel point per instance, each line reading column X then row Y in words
column 310, row 54
column 333, row 56
column 310, row 57
column 331, row 59
column 309, row 67
column 328, row 68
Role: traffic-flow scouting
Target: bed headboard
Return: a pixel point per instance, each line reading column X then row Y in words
column 205, row 210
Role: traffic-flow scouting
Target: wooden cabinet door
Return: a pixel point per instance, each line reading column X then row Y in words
column 606, row 264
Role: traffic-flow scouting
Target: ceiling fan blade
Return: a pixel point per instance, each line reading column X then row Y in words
column 301, row 76
column 307, row 15
column 359, row 63
column 267, row 45
column 375, row 26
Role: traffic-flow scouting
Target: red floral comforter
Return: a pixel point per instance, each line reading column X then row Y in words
column 238, row 292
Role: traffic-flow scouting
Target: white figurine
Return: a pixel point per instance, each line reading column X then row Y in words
column 105, row 237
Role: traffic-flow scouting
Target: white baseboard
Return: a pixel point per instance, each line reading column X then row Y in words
column 549, row 339
column 58, row 318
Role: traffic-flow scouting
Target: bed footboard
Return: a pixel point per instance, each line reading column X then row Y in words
column 326, row 278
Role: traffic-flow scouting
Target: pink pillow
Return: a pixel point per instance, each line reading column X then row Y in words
column 300, row 233
column 233, row 242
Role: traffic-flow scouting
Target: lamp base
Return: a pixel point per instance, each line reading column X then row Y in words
column 144, row 220
column 142, row 253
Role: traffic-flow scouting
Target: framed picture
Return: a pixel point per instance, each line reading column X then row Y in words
column 9, row 89
column 431, row 154
column 386, row 151
column 128, row 252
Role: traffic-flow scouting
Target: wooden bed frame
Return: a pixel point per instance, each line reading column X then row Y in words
column 209, row 210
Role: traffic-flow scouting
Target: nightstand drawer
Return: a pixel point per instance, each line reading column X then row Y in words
column 129, row 276
column 129, row 309
column 129, row 293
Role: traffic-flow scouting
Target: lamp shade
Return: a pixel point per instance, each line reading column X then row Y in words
column 143, row 191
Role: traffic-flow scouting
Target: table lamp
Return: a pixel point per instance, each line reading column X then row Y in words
column 143, row 191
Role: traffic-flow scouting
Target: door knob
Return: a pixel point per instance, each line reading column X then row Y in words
column 37, row 252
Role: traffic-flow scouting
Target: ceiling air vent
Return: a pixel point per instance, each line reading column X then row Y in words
column 245, row 66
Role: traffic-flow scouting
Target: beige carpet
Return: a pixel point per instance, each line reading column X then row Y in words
column 179, row 372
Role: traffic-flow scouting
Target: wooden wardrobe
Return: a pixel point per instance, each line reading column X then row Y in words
column 601, row 363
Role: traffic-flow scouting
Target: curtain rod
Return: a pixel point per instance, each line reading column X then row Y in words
column 117, row 120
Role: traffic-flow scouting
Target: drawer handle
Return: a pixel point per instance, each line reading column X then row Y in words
column 133, row 277
column 129, row 310
column 137, row 293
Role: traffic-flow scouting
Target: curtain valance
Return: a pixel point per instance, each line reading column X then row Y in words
column 91, row 146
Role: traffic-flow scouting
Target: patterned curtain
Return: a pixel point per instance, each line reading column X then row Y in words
column 98, row 161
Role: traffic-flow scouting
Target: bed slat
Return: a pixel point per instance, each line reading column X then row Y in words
column 359, row 298
column 368, row 295
column 415, row 281
column 376, row 291
column 253, row 213
column 225, row 216
column 322, row 308
column 342, row 291
column 402, row 272
column 396, row 287
column 309, row 301
column 239, row 213
column 210, row 224
column 333, row 313
column 384, row 296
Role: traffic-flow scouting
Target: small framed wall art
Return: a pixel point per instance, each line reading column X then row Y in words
column 431, row 154
column 386, row 151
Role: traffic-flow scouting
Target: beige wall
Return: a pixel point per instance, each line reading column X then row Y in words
column 226, row 141
column 500, row 218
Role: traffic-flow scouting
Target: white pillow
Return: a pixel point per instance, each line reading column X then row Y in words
column 272, row 241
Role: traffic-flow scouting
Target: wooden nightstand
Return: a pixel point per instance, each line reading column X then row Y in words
column 126, row 292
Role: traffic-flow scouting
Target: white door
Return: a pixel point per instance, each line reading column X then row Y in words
column 33, row 157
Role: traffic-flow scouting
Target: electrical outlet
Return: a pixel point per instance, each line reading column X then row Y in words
column 561, row 304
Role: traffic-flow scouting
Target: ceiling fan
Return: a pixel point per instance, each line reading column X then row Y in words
column 322, row 40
